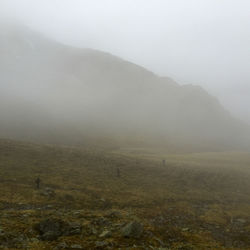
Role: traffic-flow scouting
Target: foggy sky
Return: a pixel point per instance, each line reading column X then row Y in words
column 203, row 42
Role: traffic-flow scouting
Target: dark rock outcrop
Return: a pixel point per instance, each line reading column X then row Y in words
column 52, row 228
column 133, row 229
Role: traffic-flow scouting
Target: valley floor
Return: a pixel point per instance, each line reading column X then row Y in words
column 125, row 198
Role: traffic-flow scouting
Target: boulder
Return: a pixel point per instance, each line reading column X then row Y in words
column 52, row 228
column 133, row 229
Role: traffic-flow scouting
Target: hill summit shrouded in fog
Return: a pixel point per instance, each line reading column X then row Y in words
column 56, row 93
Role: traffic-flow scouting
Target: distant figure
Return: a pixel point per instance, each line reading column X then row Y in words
column 37, row 182
column 164, row 162
column 118, row 172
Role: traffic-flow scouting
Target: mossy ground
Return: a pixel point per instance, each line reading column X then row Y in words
column 194, row 201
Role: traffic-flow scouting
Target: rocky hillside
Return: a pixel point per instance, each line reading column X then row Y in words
column 56, row 93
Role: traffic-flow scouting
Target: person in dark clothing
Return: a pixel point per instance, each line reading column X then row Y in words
column 37, row 181
column 118, row 172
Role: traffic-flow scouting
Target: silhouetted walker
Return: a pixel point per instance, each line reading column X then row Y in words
column 118, row 174
column 38, row 181
column 164, row 162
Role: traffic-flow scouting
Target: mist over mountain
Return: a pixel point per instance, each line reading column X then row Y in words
column 55, row 93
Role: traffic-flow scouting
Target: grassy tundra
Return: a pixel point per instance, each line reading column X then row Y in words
column 194, row 201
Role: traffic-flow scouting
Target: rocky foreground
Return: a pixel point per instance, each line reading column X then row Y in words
column 49, row 227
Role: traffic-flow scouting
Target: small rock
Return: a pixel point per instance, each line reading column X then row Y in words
column 77, row 214
column 101, row 222
column 72, row 229
column 105, row 234
column 68, row 197
column 76, row 246
column 2, row 232
column 159, row 241
column 132, row 230
column 48, row 192
column 113, row 214
column 118, row 225
column 18, row 239
column 50, row 235
column 93, row 231
column 185, row 247
column 105, row 204
column 62, row 245
column 101, row 243
column 34, row 240
column 241, row 221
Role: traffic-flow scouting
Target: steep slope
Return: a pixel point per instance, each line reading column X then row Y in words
column 57, row 93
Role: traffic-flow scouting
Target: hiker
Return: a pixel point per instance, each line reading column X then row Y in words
column 164, row 162
column 37, row 181
column 118, row 172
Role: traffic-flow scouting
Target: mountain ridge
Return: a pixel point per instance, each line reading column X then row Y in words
column 56, row 87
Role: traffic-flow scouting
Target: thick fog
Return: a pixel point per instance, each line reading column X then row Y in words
column 126, row 71
column 202, row 42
